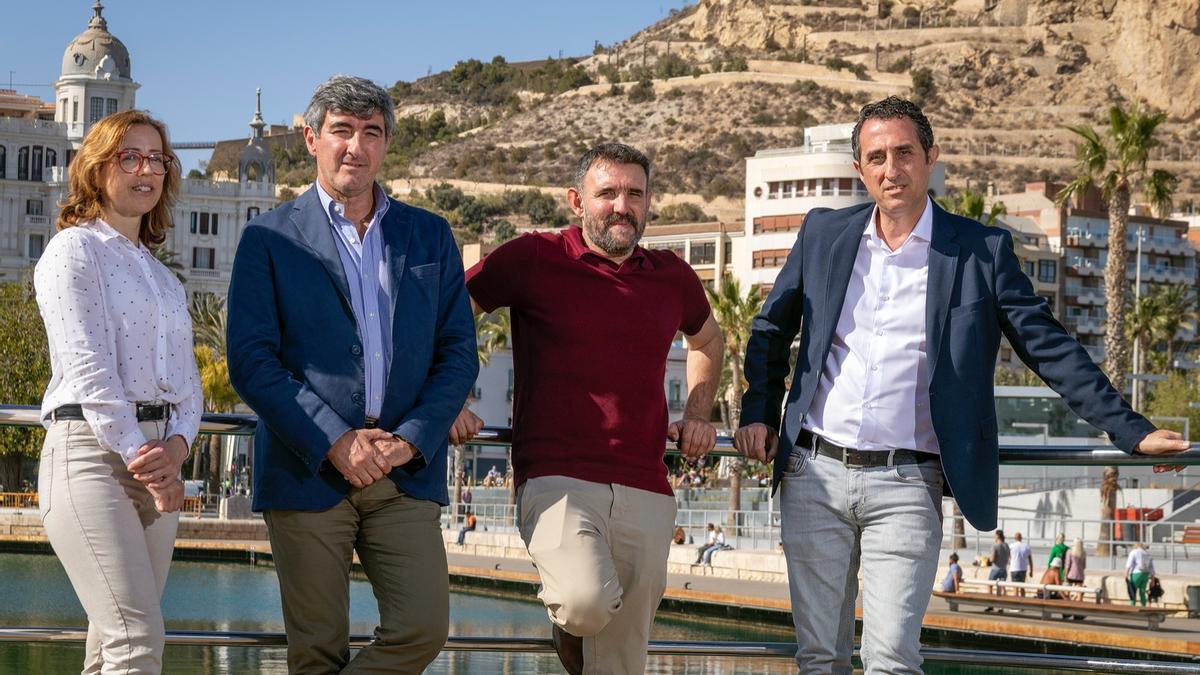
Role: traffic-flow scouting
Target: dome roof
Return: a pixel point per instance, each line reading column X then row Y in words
column 96, row 52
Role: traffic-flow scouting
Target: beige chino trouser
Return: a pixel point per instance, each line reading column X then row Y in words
column 601, row 550
column 115, row 546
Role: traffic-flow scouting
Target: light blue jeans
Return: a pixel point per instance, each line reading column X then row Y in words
column 889, row 519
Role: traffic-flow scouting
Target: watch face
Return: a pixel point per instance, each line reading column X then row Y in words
column 79, row 59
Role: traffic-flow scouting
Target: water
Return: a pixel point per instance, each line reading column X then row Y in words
column 34, row 591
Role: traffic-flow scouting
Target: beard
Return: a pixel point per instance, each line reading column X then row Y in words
column 614, row 243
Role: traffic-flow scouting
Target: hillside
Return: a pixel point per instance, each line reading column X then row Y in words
column 712, row 83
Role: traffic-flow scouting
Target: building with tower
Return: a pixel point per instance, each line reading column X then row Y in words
column 38, row 139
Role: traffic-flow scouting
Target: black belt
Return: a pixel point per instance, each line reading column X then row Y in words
column 146, row 412
column 861, row 459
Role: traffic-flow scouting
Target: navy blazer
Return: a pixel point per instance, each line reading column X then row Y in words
column 976, row 292
column 296, row 358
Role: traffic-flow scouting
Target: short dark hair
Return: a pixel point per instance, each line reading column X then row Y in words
column 1000, row 533
column 617, row 153
column 890, row 108
column 953, row 557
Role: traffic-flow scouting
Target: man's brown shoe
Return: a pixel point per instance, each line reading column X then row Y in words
column 569, row 648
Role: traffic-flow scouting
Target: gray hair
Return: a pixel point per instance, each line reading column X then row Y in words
column 616, row 153
column 349, row 95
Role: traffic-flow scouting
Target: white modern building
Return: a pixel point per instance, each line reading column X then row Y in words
column 38, row 140
column 783, row 185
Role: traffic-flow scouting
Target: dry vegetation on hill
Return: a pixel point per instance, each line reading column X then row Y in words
column 711, row 84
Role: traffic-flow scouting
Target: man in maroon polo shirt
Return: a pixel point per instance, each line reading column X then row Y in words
column 593, row 319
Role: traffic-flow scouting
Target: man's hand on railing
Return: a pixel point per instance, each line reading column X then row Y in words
column 354, row 456
column 466, row 426
column 756, row 441
column 695, row 437
column 1163, row 442
column 168, row 497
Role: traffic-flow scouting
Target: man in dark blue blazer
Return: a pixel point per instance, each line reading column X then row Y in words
column 350, row 334
column 900, row 307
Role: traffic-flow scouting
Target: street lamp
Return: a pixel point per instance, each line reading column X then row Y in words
column 1137, row 297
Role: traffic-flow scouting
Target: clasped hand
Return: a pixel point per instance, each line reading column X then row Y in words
column 157, row 467
column 363, row 456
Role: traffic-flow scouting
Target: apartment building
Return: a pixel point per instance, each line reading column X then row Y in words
column 1078, row 233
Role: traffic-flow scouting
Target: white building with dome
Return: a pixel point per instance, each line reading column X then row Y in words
column 38, row 139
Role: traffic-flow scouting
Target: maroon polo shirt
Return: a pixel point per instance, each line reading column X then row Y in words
column 590, row 343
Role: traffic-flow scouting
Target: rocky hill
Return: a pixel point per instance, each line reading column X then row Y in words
column 714, row 82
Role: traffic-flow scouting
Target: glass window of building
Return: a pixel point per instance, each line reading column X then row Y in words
column 110, row 106
column 203, row 258
column 703, row 253
column 251, row 212
column 33, row 207
column 95, row 109
column 51, row 157
column 23, row 163
column 1029, row 268
column 35, row 163
column 37, row 244
column 1047, row 271
column 3, row 161
column 75, row 110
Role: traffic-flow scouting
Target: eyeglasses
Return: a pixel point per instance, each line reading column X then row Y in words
column 131, row 161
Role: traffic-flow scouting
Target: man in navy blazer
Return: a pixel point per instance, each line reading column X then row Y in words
column 351, row 336
column 900, row 307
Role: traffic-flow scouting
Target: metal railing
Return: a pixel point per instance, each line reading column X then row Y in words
column 780, row 650
column 28, row 416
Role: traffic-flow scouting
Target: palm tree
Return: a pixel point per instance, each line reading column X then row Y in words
column 170, row 260
column 734, row 312
column 1118, row 163
column 1179, row 312
column 493, row 333
column 208, row 335
column 219, row 396
column 1143, row 325
column 970, row 204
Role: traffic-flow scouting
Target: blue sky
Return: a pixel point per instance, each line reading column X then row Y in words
column 199, row 62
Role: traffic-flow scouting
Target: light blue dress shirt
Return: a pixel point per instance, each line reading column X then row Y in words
column 370, row 289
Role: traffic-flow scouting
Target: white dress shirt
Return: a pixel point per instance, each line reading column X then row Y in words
column 119, row 333
column 874, row 387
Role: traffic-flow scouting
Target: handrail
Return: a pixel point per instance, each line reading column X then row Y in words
column 781, row 650
column 1034, row 455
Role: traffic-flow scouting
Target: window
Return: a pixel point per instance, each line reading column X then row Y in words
column 37, row 244
column 203, row 223
column 110, row 106
column 33, row 207
column 675, row 247
column 1047, row 271
column 704, row 254
column 790, row 223
column 1029, row 268
column 51, row 157
column 192, row 229
column 23, row 163
column 75, row 110
column 3, row 161
column 95, row 109
column 64, row 111
column 845, row 186
column 728, row 251
column 35, row 164
column 204, row 258
column 674, row 398
column 214, row 223
column 770, row 258
column 251, row 213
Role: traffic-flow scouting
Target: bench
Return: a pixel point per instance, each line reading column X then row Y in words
column 1153, row 616
column 1095, row 594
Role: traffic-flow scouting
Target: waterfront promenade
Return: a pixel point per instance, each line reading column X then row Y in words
column 742, row 586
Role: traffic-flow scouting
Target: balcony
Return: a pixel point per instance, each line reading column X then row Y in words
column 1085, row 266
column 37, row 221
column 1084, row 323
column 1163, row 274
column 1082, row 295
